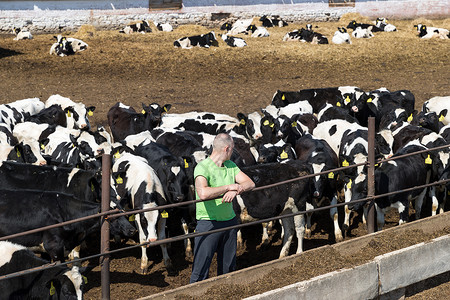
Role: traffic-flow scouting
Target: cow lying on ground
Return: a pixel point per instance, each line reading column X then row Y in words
column 59, row 282
column 353, row 25
column 163, row 26
column 341, row 36
column 204, row 40
column 258, row 31
column 384, row 25
column 21, row 34
column 426, row 32
column 274, row 21
column 363, row 33
column 141, row 27
column 234, row 41
column 309, row 36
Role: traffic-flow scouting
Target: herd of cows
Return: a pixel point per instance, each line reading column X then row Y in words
column 52, row 161
column 64, row 46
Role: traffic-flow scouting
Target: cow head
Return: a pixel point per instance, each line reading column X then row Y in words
column 226, row 26
column 251, row 28
column 154, row 114
column 352, row 25
column 64, row 283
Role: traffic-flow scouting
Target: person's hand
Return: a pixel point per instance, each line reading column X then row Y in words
column 236, row 187
column 229, row 196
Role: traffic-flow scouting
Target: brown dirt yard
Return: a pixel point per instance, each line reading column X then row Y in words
column 135, row 69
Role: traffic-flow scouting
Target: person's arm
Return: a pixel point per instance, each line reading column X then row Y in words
column 245, row 183
column 206, row 192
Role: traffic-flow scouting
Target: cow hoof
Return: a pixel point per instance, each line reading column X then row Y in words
column 345, row 227
column 308, row 233
column 189, row 255
column 339, row 238
column 143, row 271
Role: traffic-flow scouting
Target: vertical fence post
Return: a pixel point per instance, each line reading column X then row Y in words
column 104, row 246
column 371, row 175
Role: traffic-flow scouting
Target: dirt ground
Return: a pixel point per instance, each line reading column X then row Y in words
column 135, row 69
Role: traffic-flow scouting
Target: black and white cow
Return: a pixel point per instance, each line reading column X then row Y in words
column 300, row 107
column 399, row 174
column 439, row 105
column 363, row 33
column 330, row 112
column 138, row 183
column 258, row 31
column 319, row 157
column 384, row 25
column 59, row 282
column 240, row 26
column 309, row 36
column 163, row 26
column 141, row 27
column 233, row 41
column 77, row 44
column 274, row 21
column 276, row 201
column 17, row 111
column 77, row 117
column 316, row 97
column 204, row 40
column 353, row 25
column 35, row 209
column 426, row 32
column 123, row 120
column 21, row 34
column 62, row 47
column 341, row 36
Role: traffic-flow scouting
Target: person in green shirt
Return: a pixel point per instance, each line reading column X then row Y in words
column 218, row 180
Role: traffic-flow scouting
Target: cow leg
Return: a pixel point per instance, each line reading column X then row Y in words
column 288, row 225
column 299, row 223
column 444, row 200
column 54, row 245
column 434, row 200
column 418, row 204
column 380, row 218
column 335, row 217
column 265, row 234
column 187, row 242
column 162, row 236
column 348, row 197
column 240, row 242
column 308, row 220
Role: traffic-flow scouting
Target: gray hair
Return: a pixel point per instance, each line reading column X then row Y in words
column 222, row 140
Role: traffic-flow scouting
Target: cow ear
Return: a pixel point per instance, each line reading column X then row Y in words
column 73, row 139
column 167, row 107
column 90, row 108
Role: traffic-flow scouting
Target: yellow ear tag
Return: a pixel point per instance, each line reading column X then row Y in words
column 18, row 153
column 52, row 289
column 69, row 114
column 283, row 155
column 266, row 122
column 84, row 279
column 441, row 118
column 164, row 214
column 338, row 104
column 165, row 109
column 143, row 112
column 131, row 218
column 117, row 154
column 283, row 97
column 428, row 160
column 42, row 146
column 90, row 113
column 345, row 163
column 410, row 118
column 331, row 175
column 369, row 100
column 119, row 180
column 349, row 184
column 242, row 122
column 92, row 187
column 271, row 125
column 186, row 165
column 347, row 100
column 294, row 124
column 448, row 192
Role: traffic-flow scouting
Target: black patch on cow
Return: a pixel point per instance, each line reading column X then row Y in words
column 332, row 130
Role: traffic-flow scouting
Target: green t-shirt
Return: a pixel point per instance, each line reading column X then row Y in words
column 216, row 176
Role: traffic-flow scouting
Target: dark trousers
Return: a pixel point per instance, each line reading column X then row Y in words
column 224, row 243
